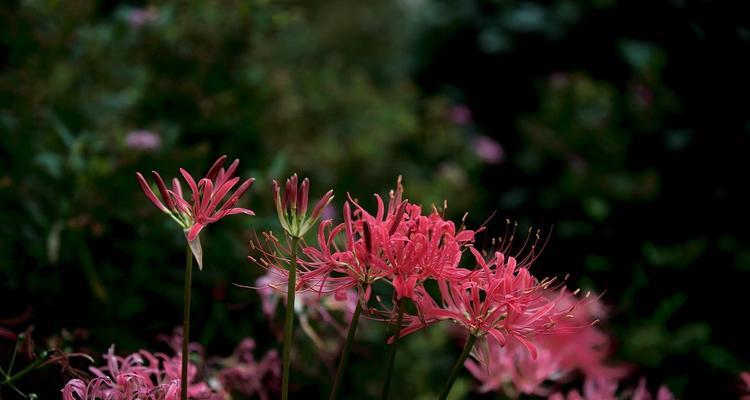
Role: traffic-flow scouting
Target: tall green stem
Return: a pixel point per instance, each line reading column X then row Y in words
column 345, row 353
column 186, row 322
column 289, row 324
column 394, row 347
column 457, row 367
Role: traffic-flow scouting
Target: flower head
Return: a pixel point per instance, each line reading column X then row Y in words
column 576, row 344
column 205, row 206
column 500, row 299
column 139, row 375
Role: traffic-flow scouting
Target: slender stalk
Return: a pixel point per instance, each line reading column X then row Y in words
column 21, row 337
column 186, row 322
column 345, row 352
column 289, row 324
column 20, row 374
column 394, row 347
column 457, row 367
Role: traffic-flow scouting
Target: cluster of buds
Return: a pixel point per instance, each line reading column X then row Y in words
column 291, row 206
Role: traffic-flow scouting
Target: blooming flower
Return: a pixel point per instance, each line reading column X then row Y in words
column 146, row 375
column 137, row 376
column 207, row 194
column 576, row 344
column 500, row 299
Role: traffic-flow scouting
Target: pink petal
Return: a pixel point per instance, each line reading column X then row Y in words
column 149, row 193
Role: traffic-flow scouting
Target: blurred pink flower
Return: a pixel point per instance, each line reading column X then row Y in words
column 138, row 17
column 488, row 149
column 245, row 376
column 144, row 375
column 603, row 388
column 745, row 388
column 460, row 114
column 143, row 140
column 138, row 375
column 329, row 212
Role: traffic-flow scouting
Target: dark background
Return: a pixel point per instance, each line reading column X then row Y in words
column 623, row 128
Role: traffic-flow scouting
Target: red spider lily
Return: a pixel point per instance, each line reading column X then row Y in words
column 207, row 194
column 140, row 375
column 500, row 299
column 576, row 344
column 325, row 267
column 396, row 244
column 146, row 375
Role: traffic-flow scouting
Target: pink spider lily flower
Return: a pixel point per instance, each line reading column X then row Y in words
column 500, row 299
column 745, row 387
column 243, row 375
column 576, row 344
column 603, row 388
column 326, row 267
column 139, row 375
column 291, row 206
column 333, row 268
column 205, row 205
column 510, row 368
column 430, row 248
column 407, row 247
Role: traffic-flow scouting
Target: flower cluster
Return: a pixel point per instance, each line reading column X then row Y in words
column 146, row 375
column 402, row 246
column 138, row 375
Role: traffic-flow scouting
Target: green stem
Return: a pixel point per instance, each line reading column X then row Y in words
column 26, row 370
column 394, row 346
column 289, row 324
column 19, row 339
column 186, row 322
column 457, row 367
column 345, row 353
